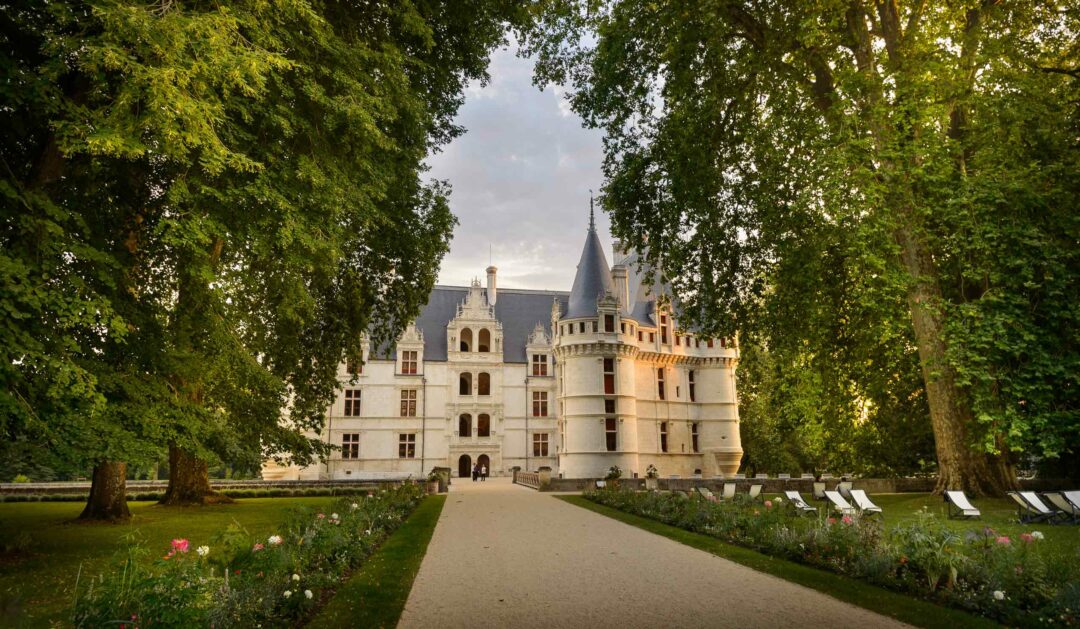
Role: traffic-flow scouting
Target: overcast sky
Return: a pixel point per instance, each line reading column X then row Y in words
column 521, row 176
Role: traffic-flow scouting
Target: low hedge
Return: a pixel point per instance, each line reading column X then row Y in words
column 154, row 496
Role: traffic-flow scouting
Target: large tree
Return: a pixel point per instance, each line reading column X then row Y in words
column 928, row 147
column 214, row 202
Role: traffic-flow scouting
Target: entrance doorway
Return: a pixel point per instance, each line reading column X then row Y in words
column 483, row 461
column 464, row 466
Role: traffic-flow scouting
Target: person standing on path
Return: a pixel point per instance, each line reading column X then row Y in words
column 483, row 473
column 475, row 472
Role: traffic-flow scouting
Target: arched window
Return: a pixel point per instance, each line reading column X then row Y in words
column 483, row 383
column 465, row 425
column 466, row 340
column 465, row 384
column 483, row 425
column 483, row 341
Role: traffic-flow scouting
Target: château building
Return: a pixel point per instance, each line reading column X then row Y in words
column 577, row 382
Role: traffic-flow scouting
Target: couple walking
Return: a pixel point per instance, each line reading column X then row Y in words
column 479, row 471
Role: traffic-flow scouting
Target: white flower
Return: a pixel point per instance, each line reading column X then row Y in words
column 367, row 532
column 287, row 594
column 308, row 594
column 354, row 506
column 203, row 551
column 295, row 577
column 1037, row 535
column 333, row 516
column 274, row 540
column 778, row 500
column 999, row 595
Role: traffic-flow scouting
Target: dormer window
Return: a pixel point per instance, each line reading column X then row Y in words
column 466, row 340
column 539, row 365
column 354, row 367
column 663, row 329
column 483, row 343
column 408, row 362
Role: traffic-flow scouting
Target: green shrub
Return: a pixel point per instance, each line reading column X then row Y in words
column 21, row 478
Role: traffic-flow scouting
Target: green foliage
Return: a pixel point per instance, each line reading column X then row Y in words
column 880, row 198
column 241, row 580
column 207, row 207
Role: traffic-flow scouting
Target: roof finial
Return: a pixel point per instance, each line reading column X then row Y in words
column 592, row 217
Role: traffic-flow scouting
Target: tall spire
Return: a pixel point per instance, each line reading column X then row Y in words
column 592, row 217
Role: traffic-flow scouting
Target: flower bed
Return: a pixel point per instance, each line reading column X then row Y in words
column 1013, row 581
column 154, row 496
column 234, row 580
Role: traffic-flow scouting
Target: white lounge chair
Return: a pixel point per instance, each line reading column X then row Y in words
column 783, row 476
column 600, row 484
column 1030, row 508
column 755, row 491
column 864, row 504
column 819, row 491
column 959, row 507
column 796, row 501
column 762, row 476
column 806, row 476
column 844, row 488
column 728, row 492
column 1067, row 508
column 839, row 503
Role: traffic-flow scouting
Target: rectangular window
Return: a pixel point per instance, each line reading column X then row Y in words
column 406, row 446
column 660, row 383
column 611, row 434
column 663, row 436
column 408, row 403
column 408, row 362
column 609, row 406
column 354, row 367
column 663, row 329
column 677, row 340
column 540, row 403
column 709, row 343
column 609, row 376
column 540, row 444
column 622, row 327
column 609, row 323
column 592, row 324
column 723, row 342
column 350, row 445
column 652, row 337
column 570, row 329
column 581, row 327
column 352, row 402
column 697, row 343
column 694, row 436
column 539, row 365
column 640, row 336
column 693, row 397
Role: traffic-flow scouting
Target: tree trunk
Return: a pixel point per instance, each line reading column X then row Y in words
column 189, row 481
column 108, row 494
column 960, row 466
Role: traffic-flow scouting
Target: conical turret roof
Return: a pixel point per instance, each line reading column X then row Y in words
column 593, row 277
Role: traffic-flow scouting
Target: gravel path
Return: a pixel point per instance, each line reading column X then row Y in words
column 507, row 556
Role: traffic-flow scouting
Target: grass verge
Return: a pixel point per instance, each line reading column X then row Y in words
column 375, row 595
column 892, row 604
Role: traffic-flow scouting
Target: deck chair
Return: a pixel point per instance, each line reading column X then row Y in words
column 1030, row 508
column 839, row 504
column 844, row 488
column 864, row 504
column 783, row 476
column 600, row 484
column 819, row 491
column 755, row 491
column 706, row 493
column 728, row 492
column 959, row 507
column 1068, row 509
column 796, row 501
column 1073, row 497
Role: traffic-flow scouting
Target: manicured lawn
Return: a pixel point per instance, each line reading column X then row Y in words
column 376, row 594
column 36, row 587
column 885, row 602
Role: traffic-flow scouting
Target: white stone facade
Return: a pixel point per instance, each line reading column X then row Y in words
column 575, row 394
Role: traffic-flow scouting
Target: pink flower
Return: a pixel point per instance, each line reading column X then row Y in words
column 831, row 520
column 846, row 519
column 180, row 545
column 1027, row 537
column 1003, row 540
column 768, row 504
column 321, row 516
column 257, row 547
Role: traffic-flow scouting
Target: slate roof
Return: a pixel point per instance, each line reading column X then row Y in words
column 518, row 310
column 592, row 280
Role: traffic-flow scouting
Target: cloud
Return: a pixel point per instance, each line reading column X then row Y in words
column 521, row 176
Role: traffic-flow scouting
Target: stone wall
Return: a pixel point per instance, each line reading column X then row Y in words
column 776, row 486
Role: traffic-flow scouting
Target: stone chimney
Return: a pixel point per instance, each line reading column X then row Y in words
column 491, row 285
column 622, row 289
